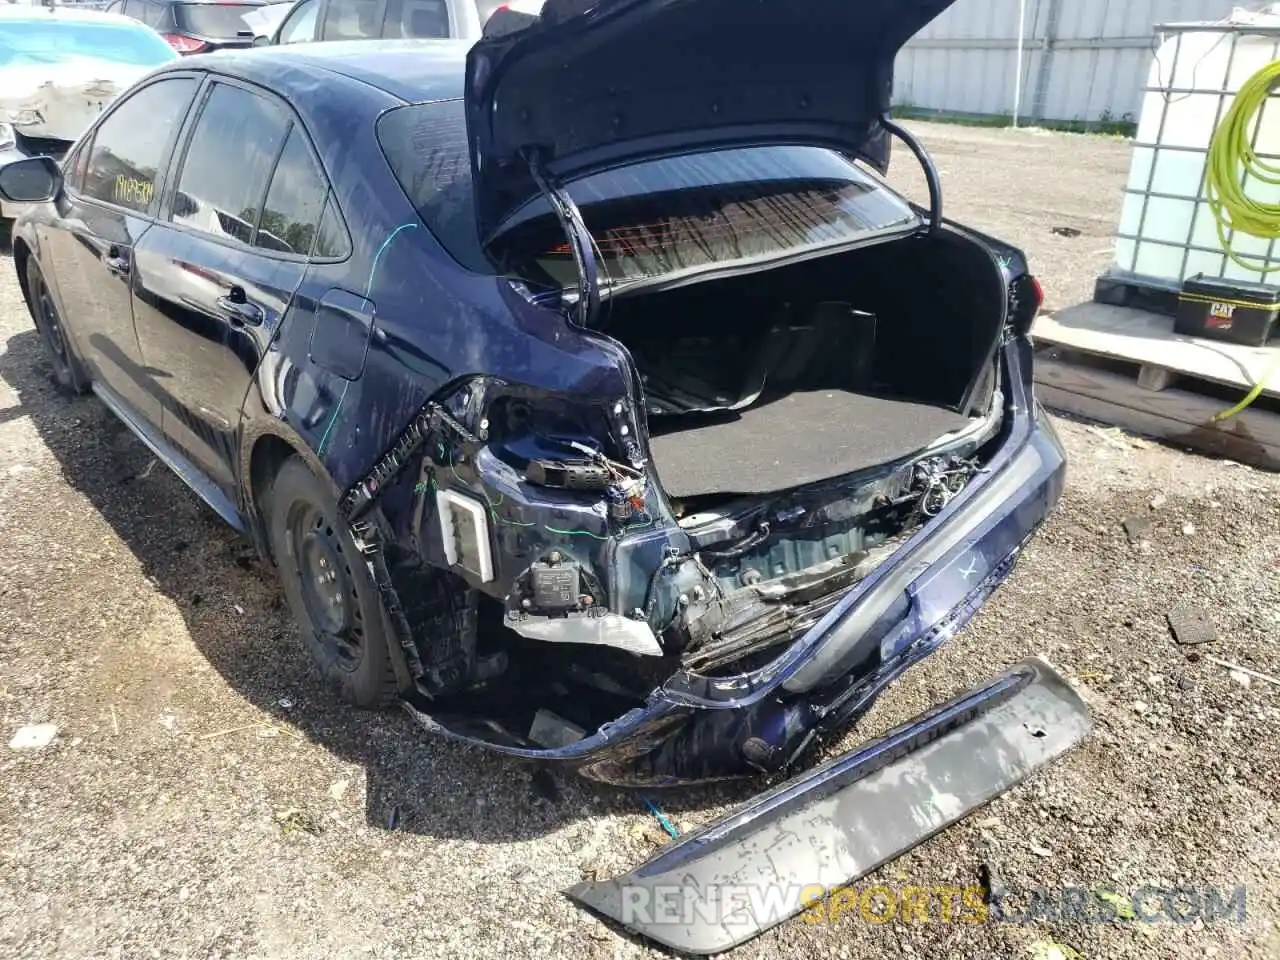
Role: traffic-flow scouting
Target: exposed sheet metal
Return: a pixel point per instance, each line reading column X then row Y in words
column 728, row 882
column 610, row 630
column 60, row 100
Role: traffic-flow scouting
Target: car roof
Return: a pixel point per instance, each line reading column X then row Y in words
column 410, row 70
column 213, row 3
column 32, row 14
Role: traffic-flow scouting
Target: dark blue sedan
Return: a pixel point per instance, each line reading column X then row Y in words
column 594, row 395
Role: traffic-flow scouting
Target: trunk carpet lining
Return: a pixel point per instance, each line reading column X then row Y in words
column 794, row 440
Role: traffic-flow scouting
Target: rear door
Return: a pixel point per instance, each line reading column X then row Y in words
column 106, row 214
column 216, row 276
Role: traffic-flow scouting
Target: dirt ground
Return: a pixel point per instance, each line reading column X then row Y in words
column 203, row 798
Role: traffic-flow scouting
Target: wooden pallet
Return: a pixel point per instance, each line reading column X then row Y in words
column 1128, row 368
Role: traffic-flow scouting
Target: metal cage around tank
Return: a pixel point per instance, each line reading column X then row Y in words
column 1167, row 230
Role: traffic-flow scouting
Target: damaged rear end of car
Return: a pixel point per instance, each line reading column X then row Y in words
column 756, row 433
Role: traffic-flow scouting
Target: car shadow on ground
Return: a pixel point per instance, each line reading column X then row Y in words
column 237, row 619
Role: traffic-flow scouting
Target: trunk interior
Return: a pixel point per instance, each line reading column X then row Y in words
column 790, row 376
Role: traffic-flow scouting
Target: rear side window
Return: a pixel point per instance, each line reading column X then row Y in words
column 228, row 164
column 417, row 19
column 130, row 146
column 295, row 201
column 216, row 21
column 426, row 147
column 332, row 240
column 352, row 20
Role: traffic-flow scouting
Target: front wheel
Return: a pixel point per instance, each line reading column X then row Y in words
column 68, row 373
column 329, row 588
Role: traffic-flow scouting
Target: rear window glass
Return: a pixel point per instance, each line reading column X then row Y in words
column 217, row 21
column 649, row 219
column 56, row 41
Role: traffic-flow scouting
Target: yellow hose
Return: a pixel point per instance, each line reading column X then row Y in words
column 1232, row 160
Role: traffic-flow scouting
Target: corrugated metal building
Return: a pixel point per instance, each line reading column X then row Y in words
column 1083, row 60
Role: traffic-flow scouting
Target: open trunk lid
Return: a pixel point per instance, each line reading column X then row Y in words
column 594, row 84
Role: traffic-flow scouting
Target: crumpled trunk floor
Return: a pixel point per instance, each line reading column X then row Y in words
column 790, row 441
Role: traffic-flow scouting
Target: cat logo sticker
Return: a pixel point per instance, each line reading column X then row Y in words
column 1221, row 315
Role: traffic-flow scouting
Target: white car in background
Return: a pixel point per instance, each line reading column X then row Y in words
column 59, row 68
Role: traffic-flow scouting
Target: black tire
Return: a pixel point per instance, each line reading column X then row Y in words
column 329, row 588
column 68, row 373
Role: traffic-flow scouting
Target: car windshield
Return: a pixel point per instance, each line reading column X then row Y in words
column 56, row 41
column 649, row 219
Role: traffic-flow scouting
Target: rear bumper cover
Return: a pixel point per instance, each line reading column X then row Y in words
column 789, row 848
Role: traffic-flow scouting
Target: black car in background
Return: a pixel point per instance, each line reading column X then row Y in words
column 194, row 26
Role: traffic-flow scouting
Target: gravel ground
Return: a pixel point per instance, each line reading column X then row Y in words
column 203, row 798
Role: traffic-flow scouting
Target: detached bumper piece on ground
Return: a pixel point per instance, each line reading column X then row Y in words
column 723, row 885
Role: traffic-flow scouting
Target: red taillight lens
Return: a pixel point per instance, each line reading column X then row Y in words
column 1038, row 292
column 184, row 44
column 1026, row 297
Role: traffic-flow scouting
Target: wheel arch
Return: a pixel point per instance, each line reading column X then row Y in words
column 265, row 447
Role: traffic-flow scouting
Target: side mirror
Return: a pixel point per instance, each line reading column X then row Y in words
column 261, row 40
column 30, row 180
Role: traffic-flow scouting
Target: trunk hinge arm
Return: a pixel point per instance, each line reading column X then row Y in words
column 581, row 242
column 930, row 169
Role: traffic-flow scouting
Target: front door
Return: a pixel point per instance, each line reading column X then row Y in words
column 214, row 279
column 106, row 215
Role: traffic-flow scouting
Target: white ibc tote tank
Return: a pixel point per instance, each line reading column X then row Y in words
column 1167, row 230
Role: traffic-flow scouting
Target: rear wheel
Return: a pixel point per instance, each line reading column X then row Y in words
column 68, row 373
column 329, row 588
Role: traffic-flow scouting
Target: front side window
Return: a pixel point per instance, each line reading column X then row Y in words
column 649, row 219
column 73, row 165
column 301, row 25
column 352, row 20
column 131, row 145
column 229, row 160
column 295, row 201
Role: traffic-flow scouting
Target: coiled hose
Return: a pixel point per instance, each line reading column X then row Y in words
column 1232, row 162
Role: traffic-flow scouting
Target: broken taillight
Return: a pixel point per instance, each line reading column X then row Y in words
column 183, row 43
column 1026, row 297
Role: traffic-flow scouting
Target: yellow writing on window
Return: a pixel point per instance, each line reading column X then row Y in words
column 133, row 192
